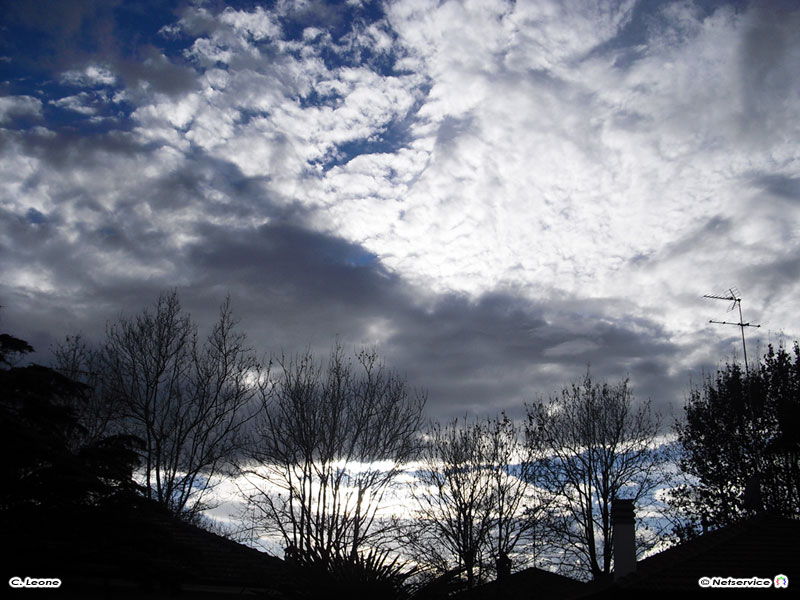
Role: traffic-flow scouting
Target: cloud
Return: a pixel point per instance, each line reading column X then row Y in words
column 91, row 75
column 770, row 52
column 14, row 107
column 780, row 185
column 295, row 288
column 77, row 103
column 158, row 73
column 497, row 193
column 494, row 352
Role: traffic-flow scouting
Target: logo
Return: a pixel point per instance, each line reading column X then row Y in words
column 34, row 582
column 779, row 581
column 734, row 582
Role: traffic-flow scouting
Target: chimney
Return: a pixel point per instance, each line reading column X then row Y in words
column 503, row 564
column 622, row 520
column 752, row 494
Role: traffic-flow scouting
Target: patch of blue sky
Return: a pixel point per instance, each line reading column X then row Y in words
column 392, row 139
column 315, row 99
column 359, row 257
column 43, row 88
column 247, row 115
column 648, row 15
column 108, row 109
column 66, row 104
column 35, row 217
column 341, row 22
column 103, row 118
column 382, row 63
column 108, row 231
column 336, row 17
column 18, row 79
column 33, row 52
column 141, row 23
column 79, row 115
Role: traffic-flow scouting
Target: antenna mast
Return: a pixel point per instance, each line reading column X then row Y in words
column 735, row 299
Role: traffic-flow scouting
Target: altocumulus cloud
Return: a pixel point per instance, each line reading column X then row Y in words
column 496, row 194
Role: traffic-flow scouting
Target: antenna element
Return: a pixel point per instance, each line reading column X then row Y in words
column 735, row 299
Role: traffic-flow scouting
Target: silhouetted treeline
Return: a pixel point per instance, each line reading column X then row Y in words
column 47, row 465
column 334, row 461
column 740, row 444
column 186, row 398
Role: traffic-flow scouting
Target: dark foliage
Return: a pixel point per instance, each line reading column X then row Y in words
column 11, row 348
column 372, row 574
column 44, row 467
column 365, row 575
column 740, row 443
column 185, row 397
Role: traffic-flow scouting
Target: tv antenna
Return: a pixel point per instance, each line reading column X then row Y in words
column 736, row 301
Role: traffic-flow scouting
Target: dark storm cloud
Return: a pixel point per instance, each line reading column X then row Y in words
column 769, row 55
column 780, row 185
column 219, row 185
column 153, row 68
column 298, row 276
column 773, row 279
column 297, row 288
column 294, row 289
column 501, row 351
column 68, row 148
column 711, row 232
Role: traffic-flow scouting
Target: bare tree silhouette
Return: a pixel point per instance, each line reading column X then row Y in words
column 326, row 448
column 472, row 495
column 187, row 399
column 596, row 446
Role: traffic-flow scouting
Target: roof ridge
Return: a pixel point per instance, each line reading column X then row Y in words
column 684, row 552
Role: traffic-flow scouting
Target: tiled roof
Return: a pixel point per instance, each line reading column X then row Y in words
column 525, row 584
column 763, row 546
column 204, row 558
column 142, row 549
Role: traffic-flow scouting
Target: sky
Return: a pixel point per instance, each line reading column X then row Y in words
column 496, row 195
